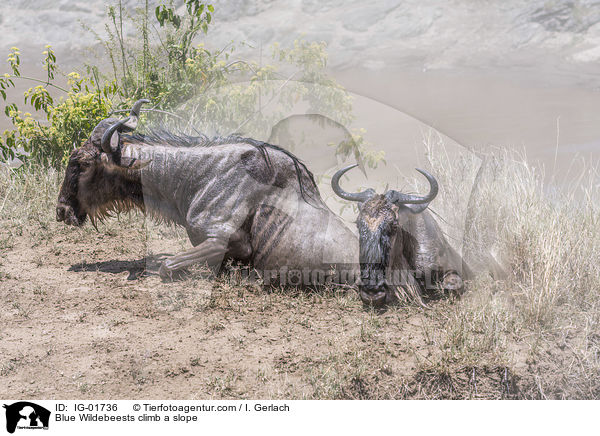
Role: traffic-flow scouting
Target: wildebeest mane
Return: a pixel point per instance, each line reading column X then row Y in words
column 165, row 137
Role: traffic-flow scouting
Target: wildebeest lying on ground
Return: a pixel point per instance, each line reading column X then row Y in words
column 402, row 249
column 237, row 198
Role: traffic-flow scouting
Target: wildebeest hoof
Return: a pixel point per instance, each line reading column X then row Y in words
column 164, row 273
column 373, row 300
column 169, row 274
column 452, row 282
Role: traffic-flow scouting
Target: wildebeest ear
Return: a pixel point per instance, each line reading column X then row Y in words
column 416, row 208
column 114, row 142
column 110, row 138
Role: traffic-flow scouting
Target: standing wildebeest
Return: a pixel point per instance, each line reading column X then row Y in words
column 237, row 198
column 402, row 248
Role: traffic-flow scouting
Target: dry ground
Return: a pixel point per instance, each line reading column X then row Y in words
column 83, row 314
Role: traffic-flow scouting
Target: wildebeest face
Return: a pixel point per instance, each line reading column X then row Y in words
column 377, row 232
column 97, row 177
column 69, row 207
column 383, row 243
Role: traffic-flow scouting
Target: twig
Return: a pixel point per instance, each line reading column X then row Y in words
column 230, row 64
column 539, row 386
column 224, row 48
column 148, row 110
column 39, row 81
column 6, row 196
column 159, row 38
column 506, row 381
column 161, row 112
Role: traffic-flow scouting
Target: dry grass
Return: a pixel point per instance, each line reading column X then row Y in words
column 541, row 312
column 532, row 333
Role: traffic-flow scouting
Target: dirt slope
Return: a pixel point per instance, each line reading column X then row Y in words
column 84, row 315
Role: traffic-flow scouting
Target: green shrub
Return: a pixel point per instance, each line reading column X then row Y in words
column 70, row 118
column 185, row 82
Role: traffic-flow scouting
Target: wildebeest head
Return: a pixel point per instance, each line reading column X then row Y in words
column 97, row 174
column 384, row 245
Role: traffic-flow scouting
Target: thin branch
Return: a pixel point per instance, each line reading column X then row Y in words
column 160, row 112
column 240, row 62
column 39, row 81
column 159, row 38
column 148, row 110
column 224, row 48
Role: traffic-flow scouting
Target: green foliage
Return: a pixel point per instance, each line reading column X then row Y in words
column 70, row 118
column 357, row 146
column 198, row 18
column 215, row 93
column 166, row 66
column 166, row 63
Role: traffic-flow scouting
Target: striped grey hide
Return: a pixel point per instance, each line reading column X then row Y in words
column 237, row 198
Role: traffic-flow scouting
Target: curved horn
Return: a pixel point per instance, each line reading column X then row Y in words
column 108, row 144
column 134, row 115
column 352, row 196
column 135, row 110
column 400, row 198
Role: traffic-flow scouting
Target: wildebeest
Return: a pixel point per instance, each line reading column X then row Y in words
column 402, row 248
column 237, row 198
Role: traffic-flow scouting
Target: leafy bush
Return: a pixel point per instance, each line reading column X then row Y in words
column 70, row 118
column 183, row 79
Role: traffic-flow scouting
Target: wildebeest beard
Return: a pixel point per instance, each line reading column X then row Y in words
column 107, row 191
column 374, row 258
column 68, row 208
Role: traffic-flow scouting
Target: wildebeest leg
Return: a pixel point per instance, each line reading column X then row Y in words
column 211, row 251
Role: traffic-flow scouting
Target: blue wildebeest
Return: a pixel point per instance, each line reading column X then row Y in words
column 237, row 198
column 402, row 248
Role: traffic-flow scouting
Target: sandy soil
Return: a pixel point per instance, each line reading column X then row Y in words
column 84, row 315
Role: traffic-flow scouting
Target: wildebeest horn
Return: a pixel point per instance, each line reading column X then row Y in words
column 399, row 198
column 352, row 196
column 134, row 115
column 110, row 141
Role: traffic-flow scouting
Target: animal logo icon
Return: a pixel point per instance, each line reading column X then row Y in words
column 24, row 414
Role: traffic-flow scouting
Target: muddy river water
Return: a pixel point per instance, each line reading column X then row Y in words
column 555, row 121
